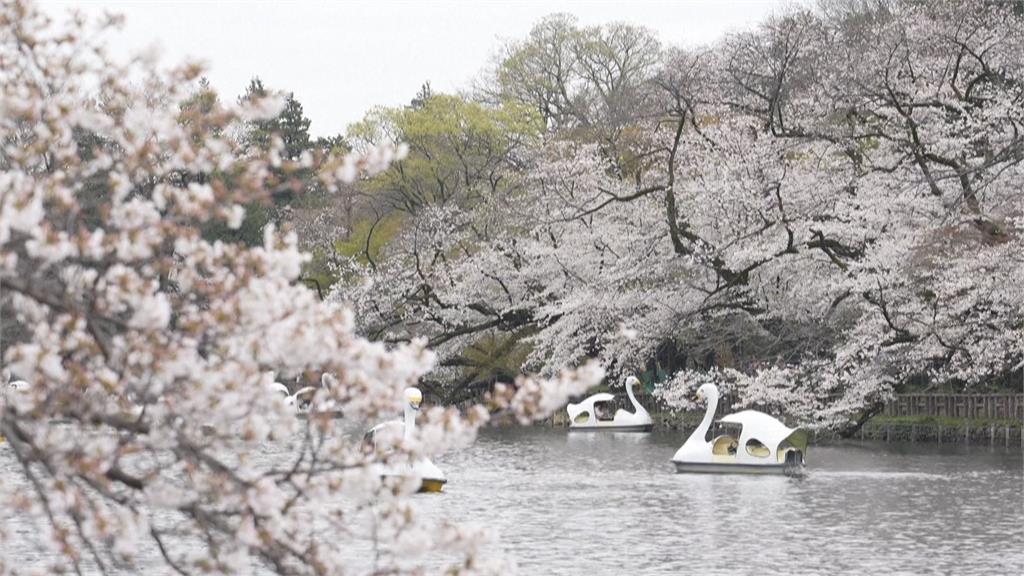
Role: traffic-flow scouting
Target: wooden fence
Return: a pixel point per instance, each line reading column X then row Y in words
column 991, row 406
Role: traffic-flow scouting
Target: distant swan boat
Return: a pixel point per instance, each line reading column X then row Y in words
column 301, row 402
column 583, row 416
column 431, row 477
column 764, row 444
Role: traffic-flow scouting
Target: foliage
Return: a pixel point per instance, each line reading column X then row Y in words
column 588, row 83
column 459, row 150
column 368, row 238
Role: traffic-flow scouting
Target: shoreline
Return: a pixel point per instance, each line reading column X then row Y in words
column 906, row 429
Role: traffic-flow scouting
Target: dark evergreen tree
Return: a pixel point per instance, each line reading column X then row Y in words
column 337, row 144
column 291, row 125
column 257, row 134
column 293, row 128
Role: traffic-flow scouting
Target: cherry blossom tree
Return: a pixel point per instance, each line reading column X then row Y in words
column 827, row 210
column 147, row 438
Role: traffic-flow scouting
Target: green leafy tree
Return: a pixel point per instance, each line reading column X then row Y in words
column 459, row 149
column 590, row 84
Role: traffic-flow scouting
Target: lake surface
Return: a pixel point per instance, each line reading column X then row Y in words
column 611, row 504
column 605, row 503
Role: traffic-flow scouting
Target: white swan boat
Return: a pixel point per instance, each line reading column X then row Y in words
column 762, row 445
column 585, row 416
column 384, row 434
column 299, row 402
column 302, row 400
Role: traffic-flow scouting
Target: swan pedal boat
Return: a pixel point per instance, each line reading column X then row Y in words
column 431, row 477
column 764, row 445
column 302, row 400
column 583, row 416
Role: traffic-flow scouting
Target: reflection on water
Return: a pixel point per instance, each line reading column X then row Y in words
column 606, row 503
column 600, row 503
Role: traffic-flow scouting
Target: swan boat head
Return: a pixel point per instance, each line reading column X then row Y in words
column 708, row 392
column 413, row 398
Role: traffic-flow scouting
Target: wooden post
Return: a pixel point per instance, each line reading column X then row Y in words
column 991, row 434
column 1007, row 435
column 967, row 431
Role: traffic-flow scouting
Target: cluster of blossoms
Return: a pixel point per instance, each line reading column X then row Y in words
column 148, row 436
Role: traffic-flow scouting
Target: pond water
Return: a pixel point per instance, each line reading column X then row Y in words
column 605, row 503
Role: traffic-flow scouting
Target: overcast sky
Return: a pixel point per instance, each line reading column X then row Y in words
column 340, row 59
